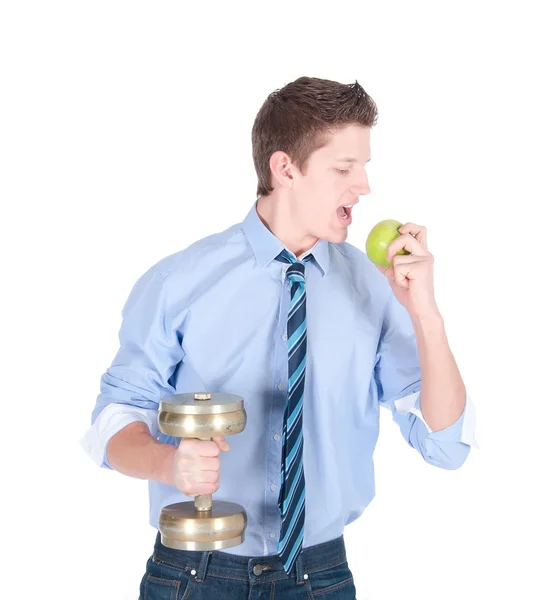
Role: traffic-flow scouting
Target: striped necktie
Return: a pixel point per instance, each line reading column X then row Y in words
column 291, row 500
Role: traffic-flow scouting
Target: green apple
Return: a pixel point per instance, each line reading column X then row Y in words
column 378, row 240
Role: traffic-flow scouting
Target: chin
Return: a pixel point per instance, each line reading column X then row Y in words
column 335, row 237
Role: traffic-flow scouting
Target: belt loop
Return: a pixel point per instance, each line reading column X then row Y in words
column 299, row 568
column 202, row 569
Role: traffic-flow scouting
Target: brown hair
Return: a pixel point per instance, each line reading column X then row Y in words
column 297, row 119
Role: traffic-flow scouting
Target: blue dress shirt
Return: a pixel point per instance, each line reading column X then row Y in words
column 213, row 316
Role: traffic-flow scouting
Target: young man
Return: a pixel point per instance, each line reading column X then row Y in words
column 229, row 314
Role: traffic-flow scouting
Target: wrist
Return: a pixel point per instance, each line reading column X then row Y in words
column 428, row 322
column 164, row 456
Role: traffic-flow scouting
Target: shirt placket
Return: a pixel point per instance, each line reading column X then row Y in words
column 275, row 421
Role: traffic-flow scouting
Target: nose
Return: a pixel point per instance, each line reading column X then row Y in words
column 362, row 186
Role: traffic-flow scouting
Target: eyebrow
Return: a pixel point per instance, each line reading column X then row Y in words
column 351, row 160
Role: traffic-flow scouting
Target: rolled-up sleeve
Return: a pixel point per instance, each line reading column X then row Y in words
column 140, row 373
column 397, row 376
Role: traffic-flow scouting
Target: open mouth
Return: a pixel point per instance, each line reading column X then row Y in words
column 344, row 212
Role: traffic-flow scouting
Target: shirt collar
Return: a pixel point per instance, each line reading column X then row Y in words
column 266, row 246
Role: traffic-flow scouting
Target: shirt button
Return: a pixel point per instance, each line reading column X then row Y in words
column 281, row 387
column 272, row 535
column 273, row 487
column 276, row 437
column 284, row 337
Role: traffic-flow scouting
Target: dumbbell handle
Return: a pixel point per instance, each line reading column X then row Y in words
column 203, row 502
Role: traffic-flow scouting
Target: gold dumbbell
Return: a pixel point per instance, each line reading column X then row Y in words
column 202, row 524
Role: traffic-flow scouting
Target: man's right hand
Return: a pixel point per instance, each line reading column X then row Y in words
column 196, row 465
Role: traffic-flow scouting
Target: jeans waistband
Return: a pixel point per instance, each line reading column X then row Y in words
column 265, row 568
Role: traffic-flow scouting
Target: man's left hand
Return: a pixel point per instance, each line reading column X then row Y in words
column 411, row 275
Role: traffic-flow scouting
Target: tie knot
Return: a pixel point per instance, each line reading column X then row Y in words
column 296, row 273
column 286, row 256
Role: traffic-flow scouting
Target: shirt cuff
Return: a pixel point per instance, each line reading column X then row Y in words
column 462, row 430
column 111, row 420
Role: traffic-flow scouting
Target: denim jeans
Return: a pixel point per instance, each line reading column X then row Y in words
column 320, row 571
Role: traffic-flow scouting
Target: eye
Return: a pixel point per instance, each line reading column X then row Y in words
column 343, row 172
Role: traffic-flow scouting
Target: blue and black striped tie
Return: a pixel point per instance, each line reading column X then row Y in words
column 291, row 500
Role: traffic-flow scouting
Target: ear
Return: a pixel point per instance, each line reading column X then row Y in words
column 282, row 169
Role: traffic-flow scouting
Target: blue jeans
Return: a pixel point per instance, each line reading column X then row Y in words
column 320, row 571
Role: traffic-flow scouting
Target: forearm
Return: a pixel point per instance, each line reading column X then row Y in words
column 443, row 393
column 134, row 452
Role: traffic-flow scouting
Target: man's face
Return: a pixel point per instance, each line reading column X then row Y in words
column 330, row 182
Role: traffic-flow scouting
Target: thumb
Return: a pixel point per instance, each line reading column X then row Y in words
column 387, row 271
column 221, row 442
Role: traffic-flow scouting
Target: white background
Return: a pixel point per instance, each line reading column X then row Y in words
column 125, row 136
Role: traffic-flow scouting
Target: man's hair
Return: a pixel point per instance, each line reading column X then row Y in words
column 298, row 118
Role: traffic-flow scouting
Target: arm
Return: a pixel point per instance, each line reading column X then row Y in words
column 134, row 452
column 443, row 395
column 401, row 382
column 124, row 419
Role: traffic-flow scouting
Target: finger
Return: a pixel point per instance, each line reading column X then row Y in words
column 402, row 276
column 418, row 231
column 403, row 270
column 405, row 259
column 208, row 464
column 206, row 488
column 208, row 448
column 207, row 477
column 410, row 267
column 408, row 243
column 221, row 442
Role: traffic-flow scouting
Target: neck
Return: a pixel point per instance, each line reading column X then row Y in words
column 278, row 216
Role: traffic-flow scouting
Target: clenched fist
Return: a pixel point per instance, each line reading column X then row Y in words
column 196, row 465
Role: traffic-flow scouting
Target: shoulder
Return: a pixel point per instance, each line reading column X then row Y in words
column 174, row 275
column 355, row 258
column 359, row 272
column 349, row 251
column 212, row 249
column 178, row 272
